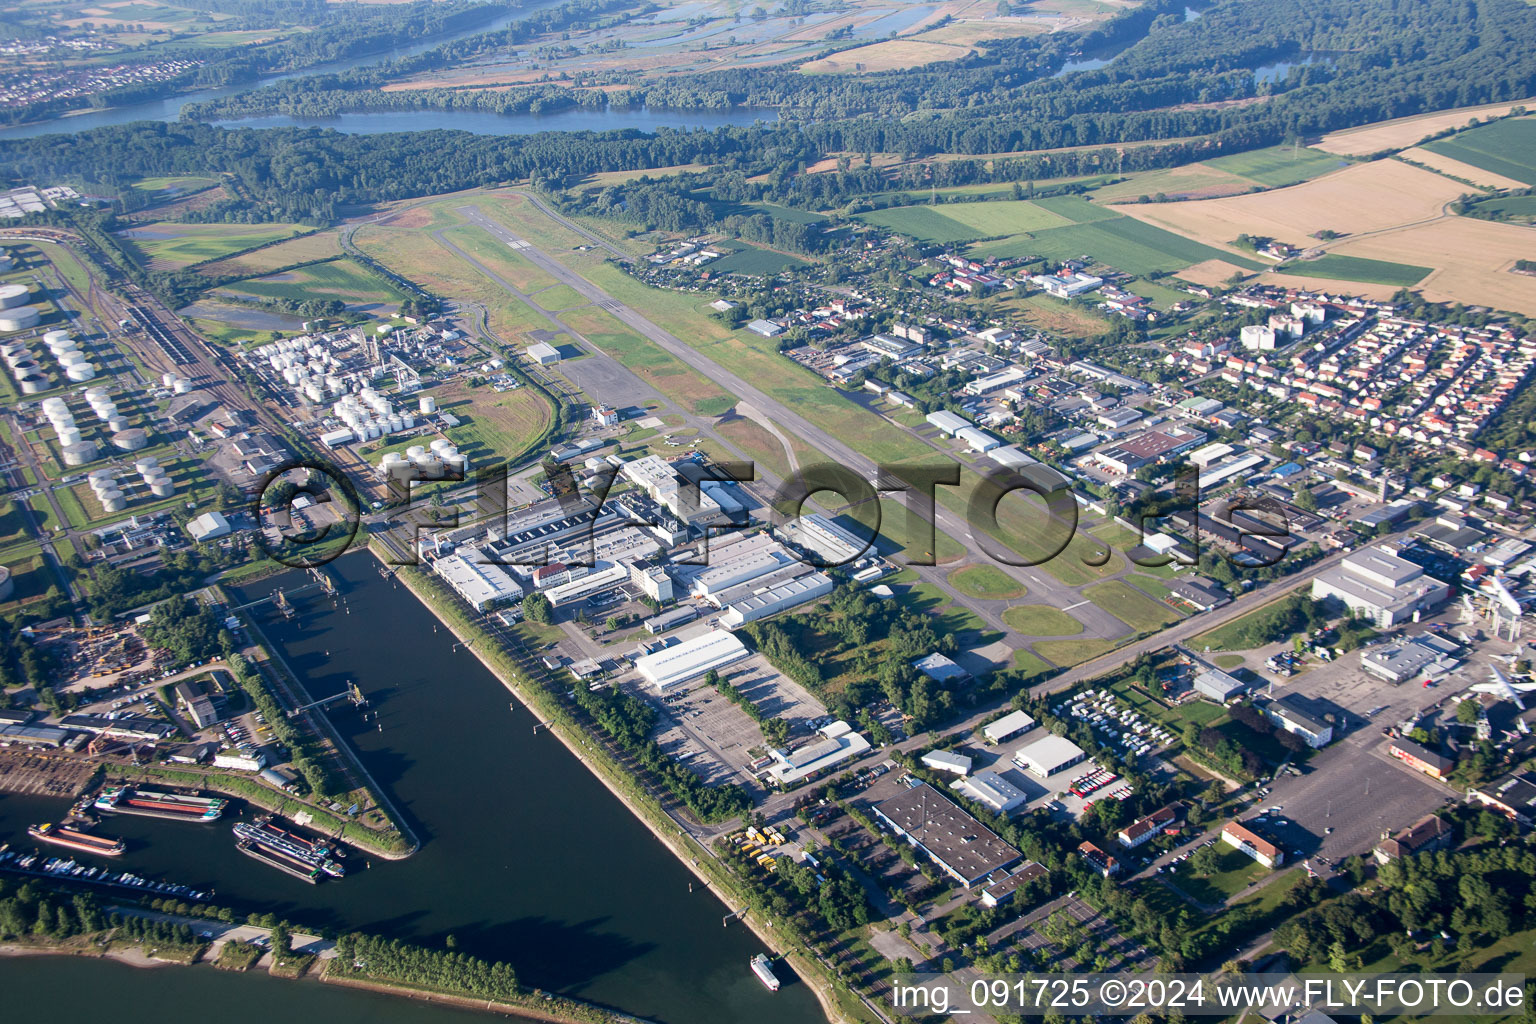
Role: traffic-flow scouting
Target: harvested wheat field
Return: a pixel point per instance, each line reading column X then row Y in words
column 1211, row 273
column 1457, row 169
column 892, row 55
column 1472, row 260
column 1407, row 131
column 1359, row 199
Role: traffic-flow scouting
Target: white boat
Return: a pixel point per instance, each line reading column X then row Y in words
column 763, row 968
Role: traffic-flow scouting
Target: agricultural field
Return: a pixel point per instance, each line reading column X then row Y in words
column 176, row 185
column 1125, row 243
column 1515, row 208
column 1278, row 166
column 318, row 246
column 887, row 55
column 1189, row 181
column 749, row 259
column 1471, row 260
column 1457, row 169
column 163, row 245
column 1348, row 202
column 1353, row 268
column 342, row 279
column 1403, row 132
column 960, row 222
column 1506, row 148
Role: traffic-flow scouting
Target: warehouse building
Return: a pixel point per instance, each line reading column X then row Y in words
column 977, row 440
column 963, row 847
column 994, row 791
column 742, row 560
column 940, row 669
column 1048, row 755
column 773, row 600
column 671, row 619
column 1219, row 686
column 1148, row 447
column 690, row 659
column 1378, row 584
column 583, row 587
column 1014, row 723
column 1001, row 890
column 838, row 744
column 948, row 422
column 947, row 761
column 1399, row 663
column 820, row 536
column 482, row 586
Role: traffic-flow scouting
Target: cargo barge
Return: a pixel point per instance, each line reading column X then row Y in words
column 292, row 848
column 74, row 839
column 271, row 858
column 155, row 804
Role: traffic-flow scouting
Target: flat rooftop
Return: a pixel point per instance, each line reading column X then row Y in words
column 947, row 832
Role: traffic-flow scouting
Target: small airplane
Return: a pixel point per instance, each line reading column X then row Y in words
column 1505, row 688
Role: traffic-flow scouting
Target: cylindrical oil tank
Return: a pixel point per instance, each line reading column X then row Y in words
column 162, row 487
column 19, row 318
column 396, row 423
column 167, row 379
column 427, row 405
column 81, row 372
column 13, row 295
column 407, row 421
column 145, row 463
column 457, row 462
column 117, row 424
column 131, row 440
column 106, row 412
column 79, row 454
column 441, row 443
column 34, row 383
column 7, row 585
column 68, row 435
column 97, row 394
column 182, row 386
column 25, row 365
column 74, row 357
column 415, row 452
column 116, row 504
column 6, row 265
column 96, row 475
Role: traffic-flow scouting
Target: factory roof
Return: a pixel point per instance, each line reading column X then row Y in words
column 691, row 658
column 950, row 835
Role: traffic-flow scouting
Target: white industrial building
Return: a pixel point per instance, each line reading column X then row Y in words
column 776, row 599
column 1221, row 472
column 1048, row 755
column 660, row 479
column 691, row 658
column 543, row 353
column 482, row 586
column 839, row 743
column 948, row 422
column 993, row 790
column 947, row 761
column 1014, row 723
column 977, row 440
column 600, row 578
column 1219, row 686
column 730, row 565
column 1378, row 584
column 1011, row 456
column 1289, row 714
column 821, row 536
column 208, row 526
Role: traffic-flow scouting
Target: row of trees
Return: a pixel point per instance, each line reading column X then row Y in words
column 390, row 960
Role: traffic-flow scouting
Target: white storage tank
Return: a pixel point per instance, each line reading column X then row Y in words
column 34, row 383
column 131, row 440
column 167, row 379
column 117, row 424
column 162, row 488
column 396, row 424
column 19, row 318
column 113, row 504
column 68, row 435
column 81, row 372
column 415, row 452
column 145, row 463
column 78, row 454
column 13, row 295
column 407, row 421
column 441, row 444
column 427, row 405
column 25, row 365
column 97, row 394
column 73, row 357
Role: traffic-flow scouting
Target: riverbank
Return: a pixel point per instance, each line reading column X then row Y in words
column 695, row 856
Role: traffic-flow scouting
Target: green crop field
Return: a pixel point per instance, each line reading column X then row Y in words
column 180, row 183
column 1505, row 147
column 1119, row 241
column 1277, row 166
column 1354, row 268
column 1076, row 209
column 960, row 222
column 752, row 260
column 341, row 279
column 1518, row 208
column 163, row 244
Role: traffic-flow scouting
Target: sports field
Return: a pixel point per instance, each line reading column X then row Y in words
column 1278, row 166
column 341, row 279
column 1505, row 147
column 163, row 245
column 1355, row 268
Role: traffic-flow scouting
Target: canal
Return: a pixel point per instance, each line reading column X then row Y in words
column 525, row 856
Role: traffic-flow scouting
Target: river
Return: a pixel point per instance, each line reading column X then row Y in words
column 526, row 857
column 169, row 109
